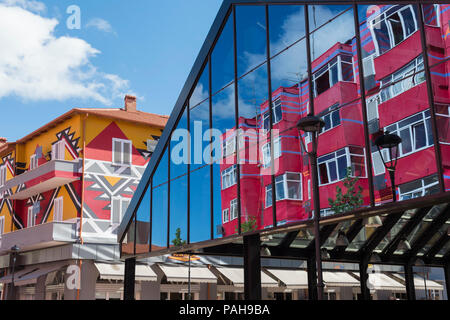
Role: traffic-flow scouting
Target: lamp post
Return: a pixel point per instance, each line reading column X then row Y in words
column 312, row 124
column 14, row 250
column 389, row 141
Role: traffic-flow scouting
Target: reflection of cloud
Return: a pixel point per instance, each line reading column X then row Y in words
column 199, row 95
column 100, row 24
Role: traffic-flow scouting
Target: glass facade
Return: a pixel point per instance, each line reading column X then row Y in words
column 233, row 160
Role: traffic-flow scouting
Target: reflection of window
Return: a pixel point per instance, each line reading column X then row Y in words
column 2, row 175
column 443, row 122
column 419, row 188
column 338, row 69
column 121, row 151
column 233, row 209
column 430, row 13
column 31, row 218
column 2, row 226
column 58, row 209
column 266, row 151
column 229, row 146
column 287, row 186
column 229, row 177
column 402, row 80
column 119, row 206
column 58, row 150
column 33, row 162
column 226, row 215
column 332, row 120
column 277, row 115
column 392, row 27
column 415, row 132
column 333, row 166
column 326, row 212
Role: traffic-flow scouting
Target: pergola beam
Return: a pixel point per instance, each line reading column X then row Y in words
column 433, row 251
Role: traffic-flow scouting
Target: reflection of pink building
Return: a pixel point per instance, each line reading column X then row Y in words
column 397, row 101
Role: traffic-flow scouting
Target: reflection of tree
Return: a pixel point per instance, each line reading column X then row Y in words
column 178, row 241
column 249, row 225
column 349, row 201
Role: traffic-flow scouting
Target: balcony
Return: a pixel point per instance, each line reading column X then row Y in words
column 48, row 176
column 41, row 236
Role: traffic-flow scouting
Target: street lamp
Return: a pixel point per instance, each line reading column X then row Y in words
column 14, row 250
column 312, row 124
column 389, row 141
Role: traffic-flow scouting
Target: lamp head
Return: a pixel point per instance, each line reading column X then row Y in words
column 15, row 249
column 388, row 140
column 310, row 123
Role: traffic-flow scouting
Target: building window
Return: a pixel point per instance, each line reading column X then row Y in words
column 287, row 186
column 31, row 218
column 419, row 188
column 226, row 215
column 392, row 27
column 119, row 206
column 326, row 212
column 122, row 150
column 443, row 122
column 338, row 69
column 332, row 119
column 3, row 175
column 431, row 14
column 229, row 177
column 229, row 146
column 33, row 162
column 333, row 166
column 233, row 209
column 2, row 226
column 266, row 152
column 58, row 150
column 403, row 80
column 58, row 209
column 151, row 145
column 277, row 115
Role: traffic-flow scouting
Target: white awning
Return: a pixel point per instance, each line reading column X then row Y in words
column 181, row 274
column 380, row 281
column 117, row 271
column 293, row 279
column 30, row 274
column 236, row 275
column 419, row 283
column 339, row 279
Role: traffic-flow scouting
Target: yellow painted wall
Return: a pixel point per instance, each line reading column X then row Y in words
column 4, row 211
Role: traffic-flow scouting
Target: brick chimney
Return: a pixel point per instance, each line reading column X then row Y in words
column 130, row 103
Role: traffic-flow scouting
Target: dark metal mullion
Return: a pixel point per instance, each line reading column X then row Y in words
column 135, row 229
column 405, row 231
column 437, row 146
column 189, row 173
column 168, row 192
column 269, row 101
column 364, row 106
column 236, row 116
column 211, row 165
column 437, row 246
column 151, row 216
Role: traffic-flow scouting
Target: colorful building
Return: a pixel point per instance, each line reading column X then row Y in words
column 66, row 186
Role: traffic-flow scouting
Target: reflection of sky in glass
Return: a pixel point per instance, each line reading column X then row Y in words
column 199, row 124
column 159, row 202
column 200, row 211
column 250, row 37
column 217, row 199
column 201, row 91
column 178, row 207
column 222, row 58
column 252, row 91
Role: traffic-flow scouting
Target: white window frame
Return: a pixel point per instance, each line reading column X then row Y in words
column 266, row 154
column 421, row 189
column 327, row 67
column 283, row 179
column 403, row 79
column 333, row 125
column 225, row 215
column 31, row 217
column 442, row 115
column 233, row 209
column 33, row 162
column 229, row 146
column 372, row 104
column 229, row 177
column 2, row 226
column 58, row 209
column 276, row 118
column 58, row 150
column 425, row 116
column 122, row 153
column 347, row 156
column 121, row 212
column 438, row 16
column 383, row 17
column 3, row 174
column 151, row 145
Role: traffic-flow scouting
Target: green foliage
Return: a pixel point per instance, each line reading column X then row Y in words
column 178, row 241
column 349, row 201
column 249, row 225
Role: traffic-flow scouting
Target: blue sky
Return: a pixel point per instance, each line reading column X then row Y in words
column 142, row 47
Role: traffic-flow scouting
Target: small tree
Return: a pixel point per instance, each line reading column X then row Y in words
column 178, row 241
column 247, row 226
column 349, row 201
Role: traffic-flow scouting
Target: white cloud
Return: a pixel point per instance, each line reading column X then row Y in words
column 32, row 5
column 100, row 24
column 37, row 65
